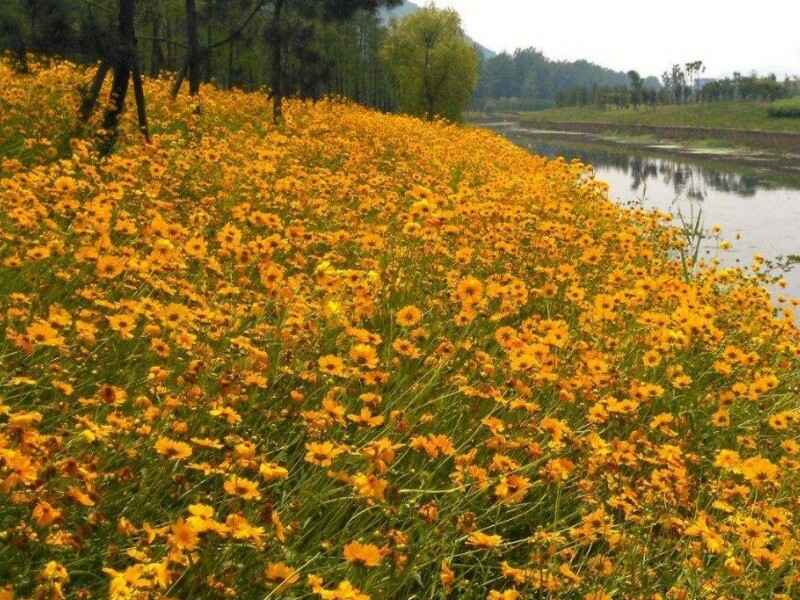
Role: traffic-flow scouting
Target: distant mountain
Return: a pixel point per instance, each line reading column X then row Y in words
column 398, row 12
column 407, row 8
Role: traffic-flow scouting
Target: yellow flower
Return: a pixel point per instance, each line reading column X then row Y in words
column 110, row 267
column 124, row 324
column 183, row 536
column 408, row 316
column 759, row 470
column 173, row 449
column 242, row 487
column 42, row 334
column 483, row 540
column 651, row 359
column 331, row 365
column 322, row 453
column 272, row 472
column 364, row 355
column 469, row 290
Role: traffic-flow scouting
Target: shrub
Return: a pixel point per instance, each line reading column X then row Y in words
column 787, row 108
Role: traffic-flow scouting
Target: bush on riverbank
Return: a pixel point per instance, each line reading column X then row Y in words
column 367, row 357
column 789, row 107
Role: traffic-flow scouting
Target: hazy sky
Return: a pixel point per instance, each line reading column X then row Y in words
column 647, row 35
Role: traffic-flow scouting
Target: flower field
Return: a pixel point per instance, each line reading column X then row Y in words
column 365, row 357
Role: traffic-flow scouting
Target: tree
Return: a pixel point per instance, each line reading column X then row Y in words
column 433, row 66
column 194, row 54
column 637, row 84
column 294, row 26
column 693, row 70
column 124, row 62
column 13, row 34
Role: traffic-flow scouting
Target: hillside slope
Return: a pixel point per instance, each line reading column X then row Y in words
column 407, row 8
column 365, row 356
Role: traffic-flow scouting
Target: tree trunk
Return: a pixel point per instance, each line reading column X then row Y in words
column 207, row 53
column 277, row 63
column 157, row 52
column 138, row 90
column 231, row 47
column 427, row 86
column 93, row 93
column 20, row 53
column 179, row 77
column 171, row 62
column 125, row 67
column 194, row 47
column 119, row 89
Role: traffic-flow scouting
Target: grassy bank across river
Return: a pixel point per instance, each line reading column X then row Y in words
column 736, row 124
column 750, row 116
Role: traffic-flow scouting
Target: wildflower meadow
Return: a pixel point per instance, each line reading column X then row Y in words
column 358, row 356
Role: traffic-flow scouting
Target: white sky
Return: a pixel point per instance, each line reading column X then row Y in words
column 728, row 35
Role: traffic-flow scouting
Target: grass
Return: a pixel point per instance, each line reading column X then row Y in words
column 750, row 116
column 788, row 108
column 360, row 356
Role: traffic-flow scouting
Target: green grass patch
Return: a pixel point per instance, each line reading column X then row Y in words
column 751, row 116
column 788, row 108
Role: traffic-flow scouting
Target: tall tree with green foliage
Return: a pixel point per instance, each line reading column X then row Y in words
column 433, row 65
column 123, row 62
column 13, row 34
column 294, row 28
column 637, row 86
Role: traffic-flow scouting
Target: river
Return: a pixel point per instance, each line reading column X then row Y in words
column 756, row 209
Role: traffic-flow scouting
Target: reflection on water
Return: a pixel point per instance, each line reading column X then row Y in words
column 685, row 179
column 757, row 212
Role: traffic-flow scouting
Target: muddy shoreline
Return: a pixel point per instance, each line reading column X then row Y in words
column 767, row 140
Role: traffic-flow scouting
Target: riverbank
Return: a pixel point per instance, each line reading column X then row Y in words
column 757, row 149
column 718, row 116
column 742, row 129
column 755, row 204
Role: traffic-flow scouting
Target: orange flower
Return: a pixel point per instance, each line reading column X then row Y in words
column 44, row 514
column 367, row 555
column 281, row 573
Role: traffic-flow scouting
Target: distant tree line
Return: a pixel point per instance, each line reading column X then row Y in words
column 748, row 88
column 528, row 80
column 682, row 84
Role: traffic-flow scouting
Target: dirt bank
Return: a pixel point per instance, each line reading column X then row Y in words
column 763, row 140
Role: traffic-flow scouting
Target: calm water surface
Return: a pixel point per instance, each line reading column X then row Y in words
column 758, row 210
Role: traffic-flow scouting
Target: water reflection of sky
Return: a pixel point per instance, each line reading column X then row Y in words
column 765, row 216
